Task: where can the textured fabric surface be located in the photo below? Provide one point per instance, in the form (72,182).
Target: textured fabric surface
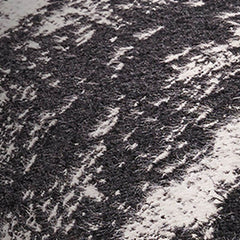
(119,120)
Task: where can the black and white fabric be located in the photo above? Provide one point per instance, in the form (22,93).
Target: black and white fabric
(120,120)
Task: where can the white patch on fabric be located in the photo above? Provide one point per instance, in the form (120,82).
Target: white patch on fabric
(191,202)
(147,33)
(12,11)
(105,126)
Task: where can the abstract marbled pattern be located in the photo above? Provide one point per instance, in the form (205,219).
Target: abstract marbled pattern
(119,119)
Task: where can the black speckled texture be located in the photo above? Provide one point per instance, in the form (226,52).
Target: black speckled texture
(107,108)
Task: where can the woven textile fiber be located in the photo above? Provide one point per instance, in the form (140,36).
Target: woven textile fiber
(119,120)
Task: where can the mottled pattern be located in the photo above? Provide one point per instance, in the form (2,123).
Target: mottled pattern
(119,119)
